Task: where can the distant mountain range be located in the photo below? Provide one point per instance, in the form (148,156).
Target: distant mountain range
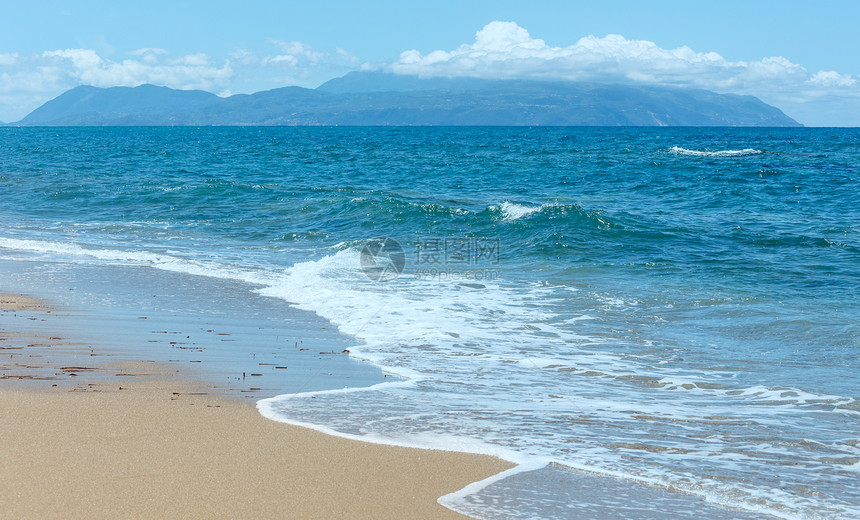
(374,98)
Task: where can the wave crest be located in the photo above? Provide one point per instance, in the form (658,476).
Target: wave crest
(677,150)
(512,211)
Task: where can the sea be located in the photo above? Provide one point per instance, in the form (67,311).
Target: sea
(650,323)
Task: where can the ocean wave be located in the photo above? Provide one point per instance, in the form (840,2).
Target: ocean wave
(611,368)
(457,346)
(164,261)
(715,153)
(512,211)
(335,288)
(278,409)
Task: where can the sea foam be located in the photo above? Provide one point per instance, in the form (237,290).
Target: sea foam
(512,211)
(715,153)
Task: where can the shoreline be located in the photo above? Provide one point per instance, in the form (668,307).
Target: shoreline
(139,439)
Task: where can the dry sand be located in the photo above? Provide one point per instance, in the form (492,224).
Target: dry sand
(162,447)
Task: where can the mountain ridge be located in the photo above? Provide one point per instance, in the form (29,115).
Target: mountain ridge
(382,99)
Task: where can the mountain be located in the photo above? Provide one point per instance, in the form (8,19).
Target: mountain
(120,106)
(373,98)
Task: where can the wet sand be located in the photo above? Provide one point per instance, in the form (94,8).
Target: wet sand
(132,439)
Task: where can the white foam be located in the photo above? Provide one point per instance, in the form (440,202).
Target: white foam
(165,261)
(714,153)
(453,500)
(535,362)
(422,440)
(512,211)
(500,357)
(407,311)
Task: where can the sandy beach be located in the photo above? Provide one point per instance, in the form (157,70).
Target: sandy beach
(149,444)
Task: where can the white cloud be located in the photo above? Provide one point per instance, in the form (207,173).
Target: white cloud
(149,55)
(8,59)
(506,50)
(27,81)
(149,50)
(346,55)
(243,57)
(294,54)
(283,59)
(499,50)
(85,66)
(296,63)
(831,78)
(193,60)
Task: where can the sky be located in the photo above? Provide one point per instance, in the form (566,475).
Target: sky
(801,56)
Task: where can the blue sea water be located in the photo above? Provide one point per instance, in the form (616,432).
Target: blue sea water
(671,312)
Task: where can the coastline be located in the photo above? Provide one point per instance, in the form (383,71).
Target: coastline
(139,439)
(638,353)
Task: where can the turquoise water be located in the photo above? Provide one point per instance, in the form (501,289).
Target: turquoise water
(677,307)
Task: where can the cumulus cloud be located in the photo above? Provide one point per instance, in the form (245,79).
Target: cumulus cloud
(26,81)
(85,66)
(346,55)
(149,51)
(295,63)
(29,80)
(499,50)
(149,55)
(831,78)
(244,58)
(8,59)
(293,54)
(506,50)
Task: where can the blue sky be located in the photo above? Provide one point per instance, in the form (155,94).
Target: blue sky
(803,57)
